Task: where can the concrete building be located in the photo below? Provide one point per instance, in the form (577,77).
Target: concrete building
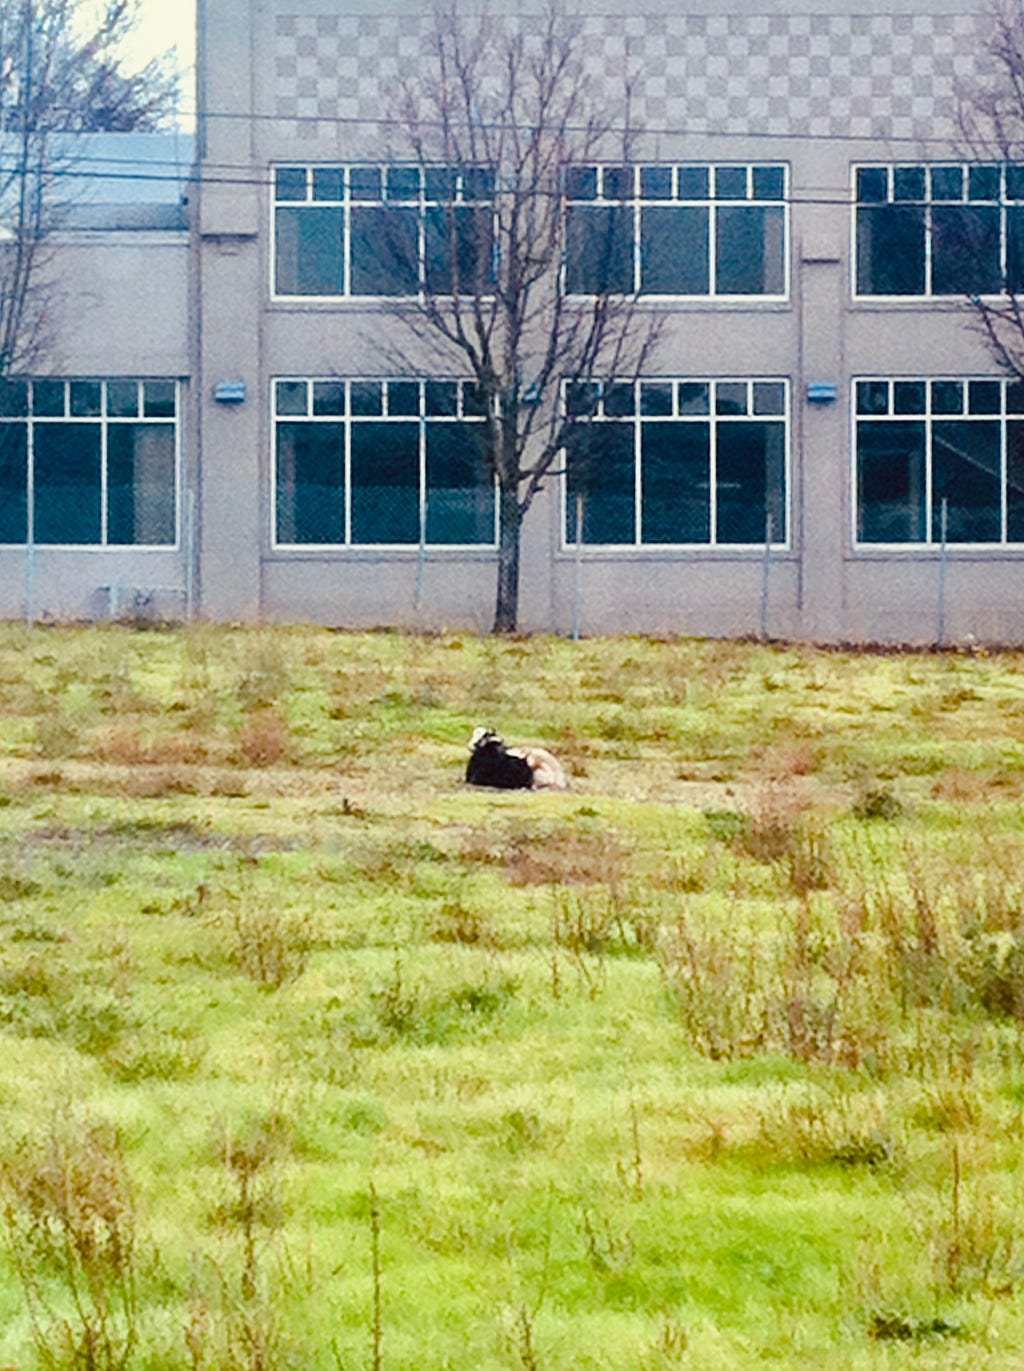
(820,448)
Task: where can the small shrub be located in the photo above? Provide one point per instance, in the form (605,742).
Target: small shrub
(263,740)
(877,802)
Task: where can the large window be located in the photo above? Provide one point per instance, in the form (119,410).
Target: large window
(677,462)
(88,462)
(940,460)
(944,229)
(691,230)
(380,462)
(381,230)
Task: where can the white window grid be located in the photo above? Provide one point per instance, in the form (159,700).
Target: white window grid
(719,175)
(309,388)
(937,176)
(748,395)
(105,417)
(345,177)
(1010,409)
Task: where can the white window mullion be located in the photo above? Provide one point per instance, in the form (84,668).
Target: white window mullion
(346,463)
(346,228)
(929,530)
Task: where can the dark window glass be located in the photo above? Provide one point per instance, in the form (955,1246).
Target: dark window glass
(1015,397)
(769,397)
(13,399)
(619,400)
(328,183)
(460,493)
(1015,481)
(694,397)
(85,399)
(601,474)
(440,183)
(403,397)
(140,483)
(890,250)
(403,183)
(965,250)
(581,183)
(365,183)
(675,483)
(308,258)
(947,397)
(474,400)
(890,481)
(599,250)
(581,398)
(1015,249)
(123,399)
(731,397)
(365,397)
(750,482)
(983,397)
(617,183)
(947,183)
(730,183)
(290,183)
(769,183)
(48,399)
(13,483)
(310,483)
(908,183)
(872,185)
(441,397)
(656,183)
(674,250)
(656,397)
(458,249)
(159,399)
(983,183)
(692,183)
(908,397)
(965,473)
(328,397)
(478,183)
(1015,183)
(384,246)
(385,467)
(749,250)
(66,505)
(872,397)
(291,397)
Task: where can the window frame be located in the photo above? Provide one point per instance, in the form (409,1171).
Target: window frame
(103,421)
(636,202)
(714,418)
(421,419)
(932,543)
(423,204)
(1003,203)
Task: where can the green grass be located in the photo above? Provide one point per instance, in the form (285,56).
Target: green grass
(314,1058)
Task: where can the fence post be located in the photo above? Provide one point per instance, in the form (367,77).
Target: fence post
(577,567)
(765,573)
(943,562)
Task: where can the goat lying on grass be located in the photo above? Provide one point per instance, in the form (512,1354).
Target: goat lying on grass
(491,763)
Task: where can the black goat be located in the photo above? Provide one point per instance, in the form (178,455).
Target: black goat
(491,763)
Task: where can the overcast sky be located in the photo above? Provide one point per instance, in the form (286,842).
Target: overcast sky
(166,24)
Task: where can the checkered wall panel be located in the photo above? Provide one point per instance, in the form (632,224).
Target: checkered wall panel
(882,76)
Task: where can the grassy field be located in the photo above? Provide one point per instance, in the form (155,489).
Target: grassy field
(313,1058)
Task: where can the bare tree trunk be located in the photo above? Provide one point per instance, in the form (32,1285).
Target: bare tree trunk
(506,607)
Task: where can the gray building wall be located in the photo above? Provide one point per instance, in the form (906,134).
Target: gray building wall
(821,89)
(115,282)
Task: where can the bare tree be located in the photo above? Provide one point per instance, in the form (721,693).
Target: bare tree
(500,119)
(57,79)
(991,118)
